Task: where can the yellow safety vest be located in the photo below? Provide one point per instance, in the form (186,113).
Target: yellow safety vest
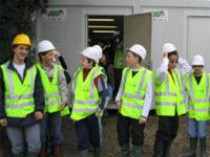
(198,94)
(53,100)
(169,95)
(134,90)
(86,96)
(19,96)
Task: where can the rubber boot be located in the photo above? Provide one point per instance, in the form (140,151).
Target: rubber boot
(84,153)
(31,154)
(137,151)
(158,148)
(167,147)
(18,155)
(125,150)
(203,147)
(192,150)
(97,152)
(57,151)
(43,152)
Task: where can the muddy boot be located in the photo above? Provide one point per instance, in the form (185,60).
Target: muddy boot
(203,147)
(57,151)
(18,155)
(84,153)
(97,152)
(192,150)
(137,151)
(158,148)
(125,150)
(31,154)
(167,147)
(43,152)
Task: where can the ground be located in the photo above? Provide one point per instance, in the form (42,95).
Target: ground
(110,144)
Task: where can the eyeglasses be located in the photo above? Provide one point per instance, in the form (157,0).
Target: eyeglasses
(198,66)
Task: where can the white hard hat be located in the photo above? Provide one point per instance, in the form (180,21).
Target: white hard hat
(45,46)
(169,47)
(100,51)
(197,60)
(91,53)
(139,50)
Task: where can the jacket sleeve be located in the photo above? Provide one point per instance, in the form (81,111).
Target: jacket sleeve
(39,93)
(2,97)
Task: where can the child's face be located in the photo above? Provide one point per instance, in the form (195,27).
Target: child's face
(173,59)
(48,57)
(131,59)
(198,69)
(84,62)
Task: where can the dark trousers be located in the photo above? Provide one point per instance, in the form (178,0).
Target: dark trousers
(167,128)
(89,131)
(125,126)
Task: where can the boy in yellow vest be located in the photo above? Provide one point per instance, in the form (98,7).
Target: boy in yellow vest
(134,100)
(21,100)
(169,98)
(56,97)
(197,87)
(89,98)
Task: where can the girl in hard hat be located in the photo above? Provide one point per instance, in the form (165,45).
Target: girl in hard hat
(169,98)
(89,99)
(133,101)
(56,97)
(21,100)
(197,87)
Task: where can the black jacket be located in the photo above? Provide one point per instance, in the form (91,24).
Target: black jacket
(38,97)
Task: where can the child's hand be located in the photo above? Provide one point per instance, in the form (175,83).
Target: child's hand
(142,120)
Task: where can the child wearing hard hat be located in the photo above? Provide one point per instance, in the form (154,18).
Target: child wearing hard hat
(133,101)
(56,97)
(169,98)
(89,99)
(197,87)
(21,100)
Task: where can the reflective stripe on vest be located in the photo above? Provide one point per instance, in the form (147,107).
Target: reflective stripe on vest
(86,96)
(53,98)
(169,96)
(19,100)
(133,98)
(199,103)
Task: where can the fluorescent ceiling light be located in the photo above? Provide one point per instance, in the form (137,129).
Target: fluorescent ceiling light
(104,31)
(107,20)
(100,26)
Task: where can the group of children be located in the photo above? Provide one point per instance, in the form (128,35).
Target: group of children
(33,99)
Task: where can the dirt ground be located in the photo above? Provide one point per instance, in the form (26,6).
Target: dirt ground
(110,144)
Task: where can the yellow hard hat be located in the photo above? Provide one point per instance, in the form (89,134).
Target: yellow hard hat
(21,39)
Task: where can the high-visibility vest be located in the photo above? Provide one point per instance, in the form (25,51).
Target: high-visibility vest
(86,96)
(169,95)
(103,71)
(134,90)
(19,99)
(198,94)
(53,100)
(118,59)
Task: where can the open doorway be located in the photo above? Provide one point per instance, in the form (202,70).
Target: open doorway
(107,31)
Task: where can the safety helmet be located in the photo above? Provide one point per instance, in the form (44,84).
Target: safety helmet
(21,39)
(100,51)
(91,53)
(44,46)
(139,50)
(169,47)
(198,60)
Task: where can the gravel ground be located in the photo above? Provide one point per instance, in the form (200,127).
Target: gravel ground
(110,144)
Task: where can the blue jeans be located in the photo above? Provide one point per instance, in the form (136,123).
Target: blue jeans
(51,127)
(197,128)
